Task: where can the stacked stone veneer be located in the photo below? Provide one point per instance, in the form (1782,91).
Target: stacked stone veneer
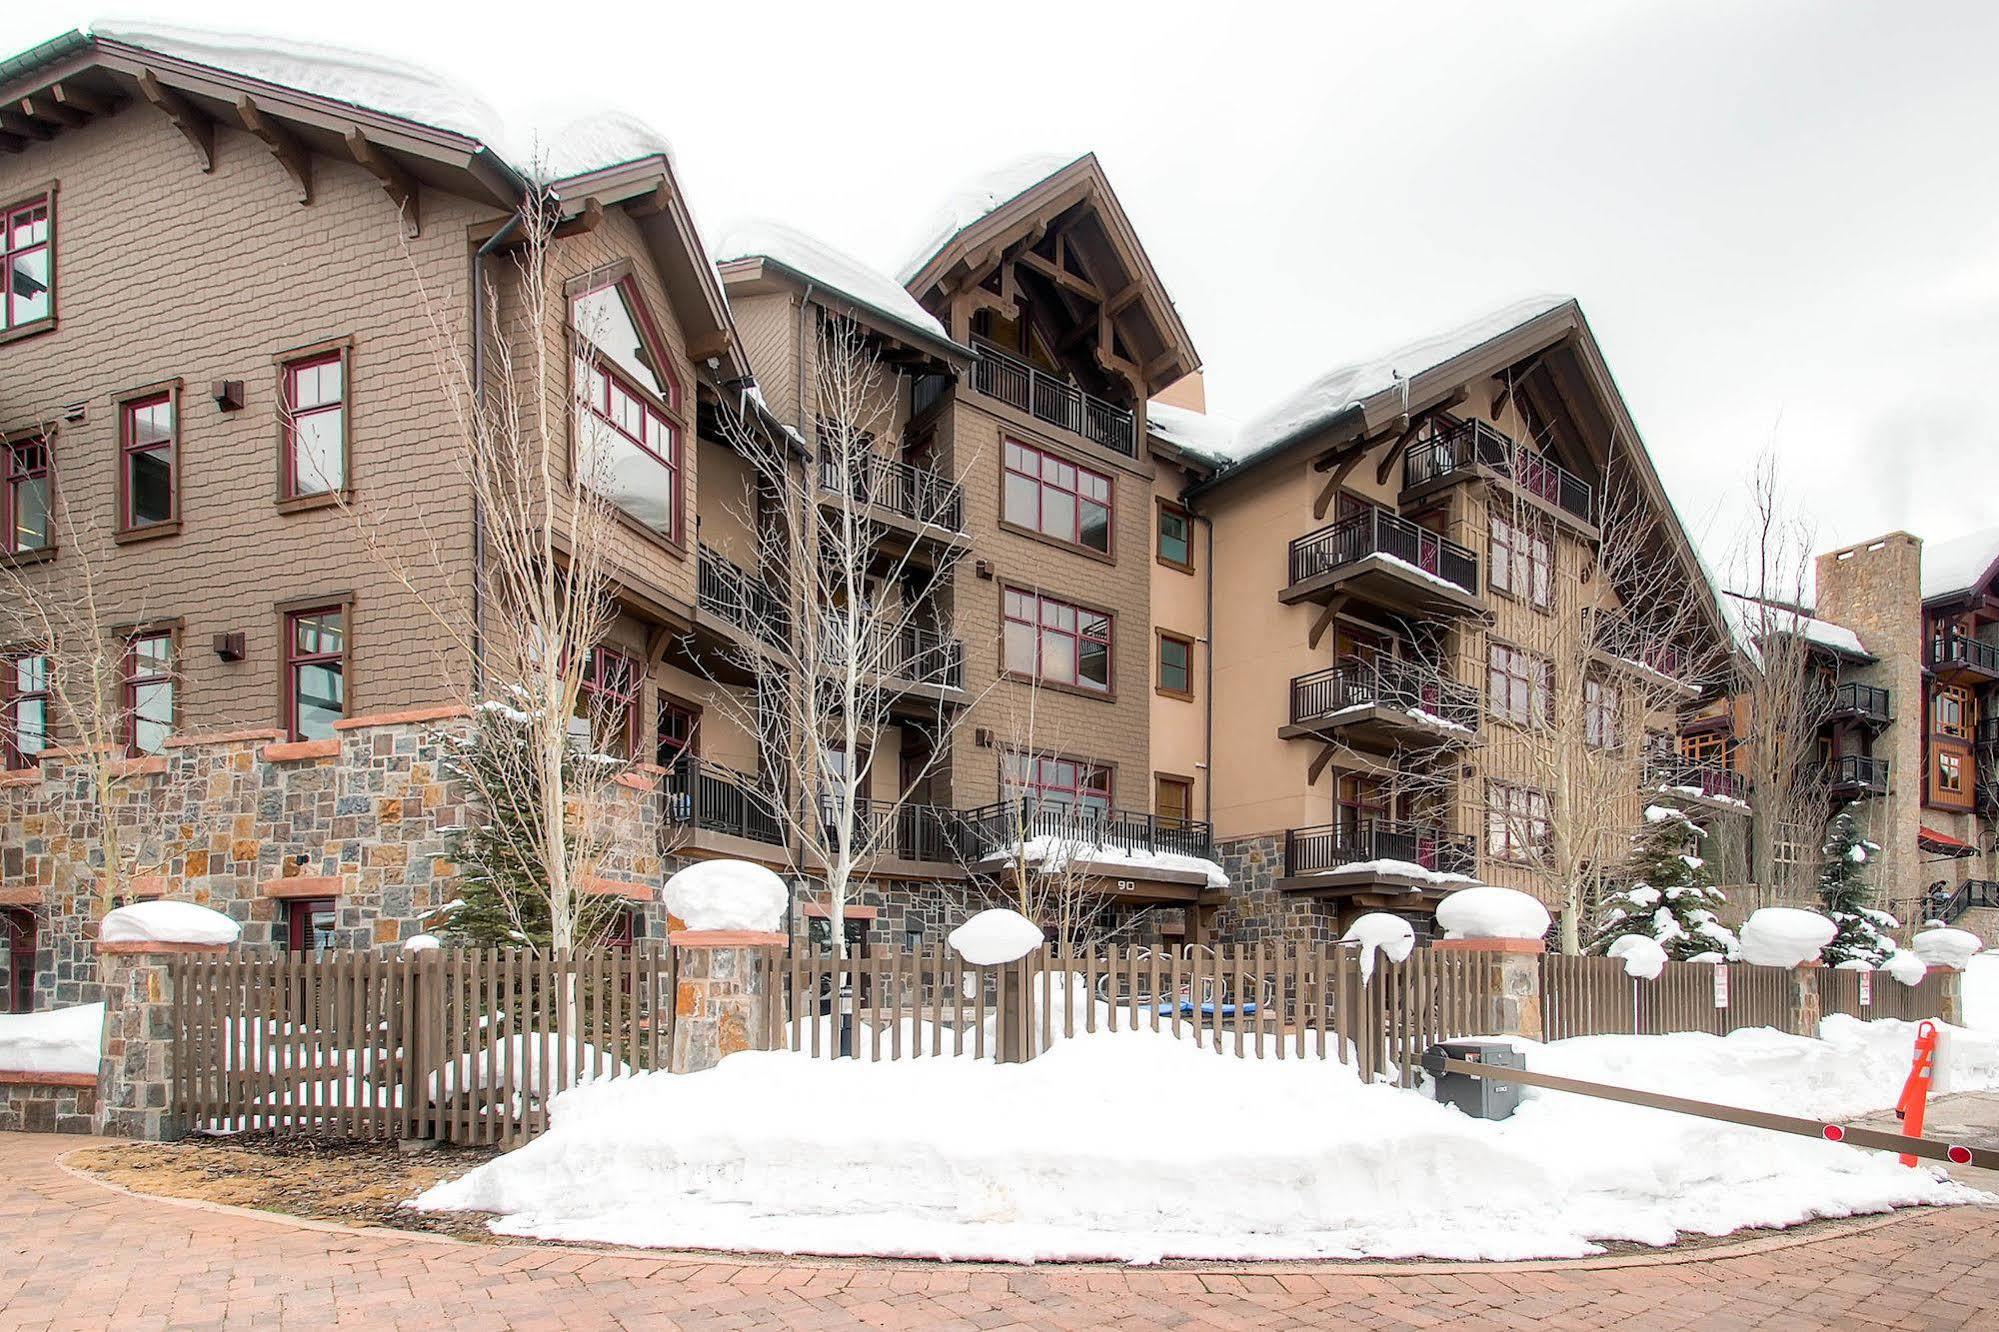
(1256,911)
(242,821)
(46,1104)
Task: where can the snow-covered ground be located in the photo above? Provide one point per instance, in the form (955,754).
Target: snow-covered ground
(1138,1147)
(59,1040)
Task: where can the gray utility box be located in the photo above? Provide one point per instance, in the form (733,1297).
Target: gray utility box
(1481,1098)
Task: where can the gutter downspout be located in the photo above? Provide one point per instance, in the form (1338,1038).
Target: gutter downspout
(479,405)
(1208,694)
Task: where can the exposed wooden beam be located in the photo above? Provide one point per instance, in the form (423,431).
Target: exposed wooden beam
(658,201)
(195,126)
(292,155)
(1319,762)
(1061,277)
(712,346)
(18,125)
(46,109)
(587,219)
(1334,605)
(1116,304)
(1396,450)
(395,182)
(1160,364)
(84,101)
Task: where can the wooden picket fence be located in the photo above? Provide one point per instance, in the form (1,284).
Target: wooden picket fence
(463,1046)
(1592,996)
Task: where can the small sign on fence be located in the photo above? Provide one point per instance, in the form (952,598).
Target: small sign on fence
(1867,989)
(1721,985)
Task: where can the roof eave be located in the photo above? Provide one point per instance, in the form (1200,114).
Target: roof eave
(753,266)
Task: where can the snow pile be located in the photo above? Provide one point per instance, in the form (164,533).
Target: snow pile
(726,895)
(1947,947)
(1959,564)
(1378,930)
(1906,967)
(1204,435)
(1981,993)
(837,272)
(168,922)
(995,938)
(1492,913)
(973,199)
(949,1158)
(531,1062)
(422,943)
(1053,854)
(1785,936)
(61,1040)
(593,142)
(1401,869)
(1751,621)
(1642,955)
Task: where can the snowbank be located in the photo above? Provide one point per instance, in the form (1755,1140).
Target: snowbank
(1785,936)
(726,895)
(954,1159)
(1947,947)
(1378,930)
(1643,957)
(1981,993)
(995,938)
(972,199)
(61,1040)
(168,922)
(1492,913)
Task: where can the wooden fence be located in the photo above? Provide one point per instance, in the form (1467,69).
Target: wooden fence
(1876,994)
(1592,996)
(463,1046)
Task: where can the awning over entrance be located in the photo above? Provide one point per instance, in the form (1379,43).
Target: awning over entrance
(1943,844)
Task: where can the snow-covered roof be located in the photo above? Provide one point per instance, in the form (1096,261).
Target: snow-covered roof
(1320,402)
(819,263)
(974,198)
(1209,438)
(1750,619)
(1959,564)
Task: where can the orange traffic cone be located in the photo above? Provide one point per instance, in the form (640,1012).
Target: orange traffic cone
(1916,1091)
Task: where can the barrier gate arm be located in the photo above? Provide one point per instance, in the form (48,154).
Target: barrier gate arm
(1852,1134)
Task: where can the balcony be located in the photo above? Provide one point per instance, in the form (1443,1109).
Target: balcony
(1704,781)
(1962,659)
(909,832)
(1988,734)
(704,797)
(992,830)
(1863,703)
(735,596)
(1618,639)
(1856,777)
(1473,448)
(1386,560)
(1376,855)
(1381,705)
(917,494)
(909,654)
(1968,896)
(1046,398)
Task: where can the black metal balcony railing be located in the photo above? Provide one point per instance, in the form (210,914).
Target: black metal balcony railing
(1413,689)
(725,588)
(908,652)
(1046,398)
(991,829)
(1859,772)
(1474,444)
(1706,778)
(1865,701)
(909,832)
(1988,732)
(1624,638)
(914,492)
(708,797)
(1968,895)
(1962,650)
(1330,846)
(1376,531)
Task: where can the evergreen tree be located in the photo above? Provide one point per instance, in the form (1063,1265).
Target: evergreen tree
(1863,931)
(1669,896)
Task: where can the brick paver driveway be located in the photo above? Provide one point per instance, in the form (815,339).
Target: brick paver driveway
(74,1254)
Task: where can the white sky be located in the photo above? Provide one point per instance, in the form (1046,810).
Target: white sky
(1781,218)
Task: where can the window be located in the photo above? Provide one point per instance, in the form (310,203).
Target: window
(1516,822)
(149,691)
(1603,707)
(24,709)
(628,444)
(1953,712)
(1707,747)
(1060,781)
(24,507)
(25,248)
(315,426)
(146,472)
(1176,537)
(678,733)
(607,704)
(315,671)
(1950,772)
(1056,498)
(309,924)
(17,941)
(1173,800)
(1056,642)
(1176,665)
(1521,564)
(1519,686)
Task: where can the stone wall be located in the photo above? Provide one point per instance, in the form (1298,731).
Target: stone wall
(1256,911)
(30,1104)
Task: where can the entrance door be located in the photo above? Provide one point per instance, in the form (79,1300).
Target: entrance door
(17,936)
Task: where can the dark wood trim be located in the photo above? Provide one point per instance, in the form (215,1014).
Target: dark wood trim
(121,531)
(285,610)
(283,361)
(1105,695)
(46,190)
(1160,505)
(1109,556)
(1067,756)
(1160,638)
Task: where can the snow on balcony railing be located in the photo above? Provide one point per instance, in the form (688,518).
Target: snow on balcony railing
(1474,444)
(1420,692)
(1376,531)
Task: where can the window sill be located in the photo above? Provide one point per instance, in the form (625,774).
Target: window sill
(1186,696)
(24,331)
(1080,691)
(126,536)
(18,558)
(307,503)
(1174,565)
(1058,543)
(675,548)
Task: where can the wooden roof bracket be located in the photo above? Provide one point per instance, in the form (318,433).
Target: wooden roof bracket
(1334,605)
(1319,762)
(1339,476)
(291,154)
(587,219)
(395,182)
(195,126)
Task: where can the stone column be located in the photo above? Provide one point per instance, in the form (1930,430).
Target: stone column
(1516,987)
(1802,1005)
(723,984)
(1951,1009)
(135,1072)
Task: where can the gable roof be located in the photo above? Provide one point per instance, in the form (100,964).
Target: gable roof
(971,199)
(811,262)
(1960,564)
(1751,619)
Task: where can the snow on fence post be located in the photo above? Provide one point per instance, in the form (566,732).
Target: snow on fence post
(136,946)
(724,917)
(1504,927)
(1002,941)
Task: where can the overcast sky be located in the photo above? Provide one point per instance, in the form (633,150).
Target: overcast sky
(1782,219)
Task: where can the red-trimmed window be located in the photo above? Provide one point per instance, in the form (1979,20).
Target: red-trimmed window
(24,505)
(315,671)
(146,479)
(1519,685)
(26,255)
(608,703)
(149,692)
(1517,825)
(1055,497)
(310,923)
(1061,781)
(628,443)
(315,420)
(24,709)
(1057,642)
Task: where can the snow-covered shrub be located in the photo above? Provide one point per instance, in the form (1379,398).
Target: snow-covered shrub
(1862,932)
(1643,957)
(1906,967)
(1670,898)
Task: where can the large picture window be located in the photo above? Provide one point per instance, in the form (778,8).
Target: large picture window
(146,480)
(1062,781)
(24,505)
(1057,642)
(315,671)
(149,691)
(26,250)
(1522,563)
(315,426)
(24,709)
(1517,827)
(628,440)
(1055,497)
(1519,685)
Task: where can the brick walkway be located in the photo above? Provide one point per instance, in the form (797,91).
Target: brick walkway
(74,1254)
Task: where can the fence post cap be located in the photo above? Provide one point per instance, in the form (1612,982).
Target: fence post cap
(1523,946)
(142,946)
(727,939)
